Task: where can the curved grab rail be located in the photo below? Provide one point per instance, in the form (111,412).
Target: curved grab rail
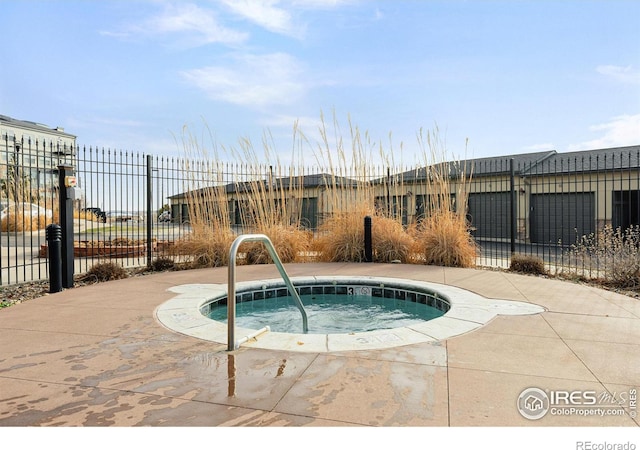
(232,344)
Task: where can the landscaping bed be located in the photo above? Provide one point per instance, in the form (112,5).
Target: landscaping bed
(116,248)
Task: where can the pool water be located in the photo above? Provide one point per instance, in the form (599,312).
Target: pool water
(327,313)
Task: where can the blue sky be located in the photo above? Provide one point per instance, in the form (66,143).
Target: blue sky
(509,76)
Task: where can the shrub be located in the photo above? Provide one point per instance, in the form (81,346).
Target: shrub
(353,188)
(206,247)
(162,264)
(341,238)
(291,245)
(211,237)
(390,241)
(22,222)
(106,271)
(527,264)
(614,255)
(443,239)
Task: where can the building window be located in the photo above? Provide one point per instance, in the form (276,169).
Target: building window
(626,209)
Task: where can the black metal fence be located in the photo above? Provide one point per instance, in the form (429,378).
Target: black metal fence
(131,207)
(578,212)
(28,191)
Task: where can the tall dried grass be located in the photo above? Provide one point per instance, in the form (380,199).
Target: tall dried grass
(272,199)
(354,191)
(19,192)
(291,243)
(81,215)
(18,221)
(205,248)
(270,196)
(270,205)
(390,241)
(443,237)
(340,238)
(211,237)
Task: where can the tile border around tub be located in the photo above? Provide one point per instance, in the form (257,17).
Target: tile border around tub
(469,311)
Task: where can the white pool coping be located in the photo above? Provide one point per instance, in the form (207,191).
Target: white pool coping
(469,311)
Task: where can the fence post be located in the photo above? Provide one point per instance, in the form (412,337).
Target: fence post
(513,206)
(388,192)
(149,206)
(66,184)
(368,242)
(54,237)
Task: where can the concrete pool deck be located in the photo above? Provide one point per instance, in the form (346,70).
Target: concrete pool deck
(98,356)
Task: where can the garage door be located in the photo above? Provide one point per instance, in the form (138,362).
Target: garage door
(309,215)
(490,214)
(562,218)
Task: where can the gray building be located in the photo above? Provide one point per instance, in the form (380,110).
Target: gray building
(543,197)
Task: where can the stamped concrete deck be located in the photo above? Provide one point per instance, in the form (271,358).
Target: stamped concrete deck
(98,356)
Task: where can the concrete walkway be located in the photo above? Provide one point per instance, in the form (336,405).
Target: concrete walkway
(97,356)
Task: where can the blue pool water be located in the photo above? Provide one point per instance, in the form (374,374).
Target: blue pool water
(332,313)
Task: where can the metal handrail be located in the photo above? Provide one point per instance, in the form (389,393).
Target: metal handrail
(232,344)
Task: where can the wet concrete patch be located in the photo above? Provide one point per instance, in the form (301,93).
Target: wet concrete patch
(370,392)
(251,378)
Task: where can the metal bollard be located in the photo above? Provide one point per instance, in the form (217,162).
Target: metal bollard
(368,242)
(54,246)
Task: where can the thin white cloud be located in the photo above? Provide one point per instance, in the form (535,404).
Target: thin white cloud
(264,13)
(321,4)
(252,80)
(196,26)
(279,16)
(618,73)
(620,131)
(115,34)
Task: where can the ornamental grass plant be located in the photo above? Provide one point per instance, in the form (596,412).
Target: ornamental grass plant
(268,204)
(390,241)
(266,197)
(17,221)
(341,238)
(271,199)
(443,237)
(208,243)
(354,190)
